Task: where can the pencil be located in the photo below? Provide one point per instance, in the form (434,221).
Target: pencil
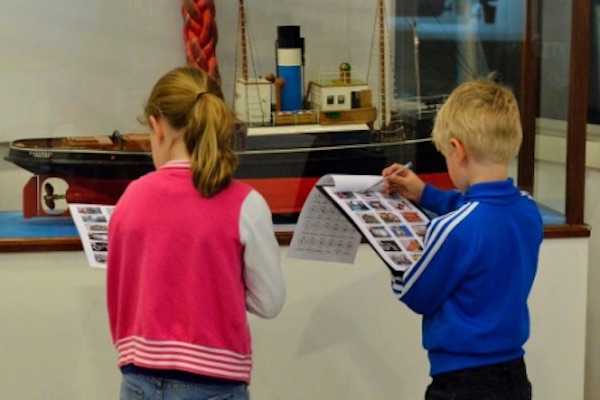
(396,172)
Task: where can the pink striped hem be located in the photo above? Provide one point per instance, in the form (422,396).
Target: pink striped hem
(184,356)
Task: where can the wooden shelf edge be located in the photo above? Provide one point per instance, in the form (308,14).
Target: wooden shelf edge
(17,245)
(23,245)
(567,231)
(284,238)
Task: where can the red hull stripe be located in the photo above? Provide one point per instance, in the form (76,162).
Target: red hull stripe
(287,195)
(284,195)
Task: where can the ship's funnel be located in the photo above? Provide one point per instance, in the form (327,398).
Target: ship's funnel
(290,60)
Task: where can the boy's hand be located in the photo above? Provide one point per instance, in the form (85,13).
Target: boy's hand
(407,183)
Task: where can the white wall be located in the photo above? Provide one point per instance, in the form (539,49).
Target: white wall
(341,335)
(592,217)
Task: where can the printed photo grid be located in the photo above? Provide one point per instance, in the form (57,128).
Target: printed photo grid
(394,226)
(323,233)
(92,224)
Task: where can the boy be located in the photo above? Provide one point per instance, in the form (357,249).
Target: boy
(472,283)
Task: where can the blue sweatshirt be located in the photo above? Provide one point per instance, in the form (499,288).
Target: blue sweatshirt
(472,283)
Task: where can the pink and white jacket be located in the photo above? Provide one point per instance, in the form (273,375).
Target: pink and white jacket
(183,270)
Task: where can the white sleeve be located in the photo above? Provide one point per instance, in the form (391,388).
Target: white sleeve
(265,284)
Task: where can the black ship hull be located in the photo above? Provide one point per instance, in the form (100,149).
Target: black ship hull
(283,167)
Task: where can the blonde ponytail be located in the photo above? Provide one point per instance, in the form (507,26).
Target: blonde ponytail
(208,140)
(190,100)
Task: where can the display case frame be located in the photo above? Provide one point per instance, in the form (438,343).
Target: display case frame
(577,111)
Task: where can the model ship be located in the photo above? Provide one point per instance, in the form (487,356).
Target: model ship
(287,146)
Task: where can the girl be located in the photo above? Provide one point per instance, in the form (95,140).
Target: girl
(191,250)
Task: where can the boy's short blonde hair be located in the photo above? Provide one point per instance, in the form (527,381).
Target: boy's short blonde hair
(484,116)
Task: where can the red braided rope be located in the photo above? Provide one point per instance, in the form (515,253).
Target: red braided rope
(200,35)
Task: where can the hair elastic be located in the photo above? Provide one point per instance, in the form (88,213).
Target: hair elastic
(199,95)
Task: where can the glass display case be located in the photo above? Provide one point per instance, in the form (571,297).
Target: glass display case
(435,45)
(535,49)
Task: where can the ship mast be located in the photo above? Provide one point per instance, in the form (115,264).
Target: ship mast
(252,97)
(242,16)
(417,69)
(382,64)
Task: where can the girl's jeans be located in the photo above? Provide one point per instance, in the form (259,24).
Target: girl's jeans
(138,387)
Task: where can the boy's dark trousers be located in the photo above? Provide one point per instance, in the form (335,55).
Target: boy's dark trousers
(504,381)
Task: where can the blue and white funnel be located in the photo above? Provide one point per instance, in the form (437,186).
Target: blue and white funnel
(290,60)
